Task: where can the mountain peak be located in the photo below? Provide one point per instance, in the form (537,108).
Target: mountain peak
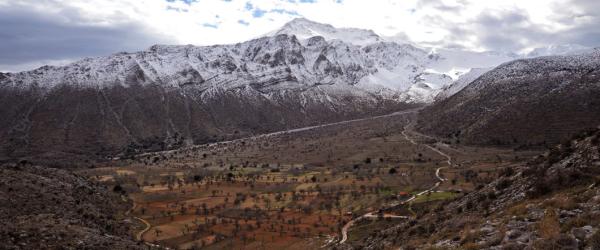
(304,28)
(305,21)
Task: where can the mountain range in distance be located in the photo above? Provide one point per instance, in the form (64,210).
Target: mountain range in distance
(169,96)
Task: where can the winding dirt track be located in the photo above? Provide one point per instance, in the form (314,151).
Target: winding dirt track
(436,185)
(139,236)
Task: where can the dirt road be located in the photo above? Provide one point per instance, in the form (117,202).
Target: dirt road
(436,185)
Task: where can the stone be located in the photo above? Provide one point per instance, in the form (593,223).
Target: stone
(513,234)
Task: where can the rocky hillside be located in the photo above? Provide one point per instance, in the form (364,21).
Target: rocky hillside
(551,203)
(45,208)
(170,96)
(526,102)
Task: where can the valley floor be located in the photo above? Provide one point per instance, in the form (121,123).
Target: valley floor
(300,188)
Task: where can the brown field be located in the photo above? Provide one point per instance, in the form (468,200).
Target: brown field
(294,190)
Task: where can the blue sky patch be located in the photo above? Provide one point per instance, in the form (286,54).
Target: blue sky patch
(258,13)
(242,22)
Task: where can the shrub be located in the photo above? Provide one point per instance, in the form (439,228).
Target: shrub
(549,226)
(392,171)
(503,184)
(506,172)
(118,189)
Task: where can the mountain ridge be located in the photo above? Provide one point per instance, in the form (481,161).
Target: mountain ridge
(538,101)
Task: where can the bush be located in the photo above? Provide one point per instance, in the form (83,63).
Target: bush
(118,189)
(506,172)
(392,171)
(503,184)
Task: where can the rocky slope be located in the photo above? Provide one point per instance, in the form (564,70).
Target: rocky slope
(526,102)
(45,208)
(169,96)
(553,202)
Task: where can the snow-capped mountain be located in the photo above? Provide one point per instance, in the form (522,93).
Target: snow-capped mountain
(303,29)
(168,96)
(414,72)
(299,56)
(467,66)
(347,60)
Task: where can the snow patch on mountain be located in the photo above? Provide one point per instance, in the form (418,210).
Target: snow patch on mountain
(455,62)
(461,83)
(303,29)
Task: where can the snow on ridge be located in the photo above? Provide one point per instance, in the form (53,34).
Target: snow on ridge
(489,60)
(271,64)
(558,49)
(461,83)
(300,56)
(304,29)
(556,64)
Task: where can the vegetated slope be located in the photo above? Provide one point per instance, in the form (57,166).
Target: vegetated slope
(553,202)
(45,208)
(524,102)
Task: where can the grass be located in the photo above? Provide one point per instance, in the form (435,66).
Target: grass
(363,230)
(434,196)
(411,210)
(387,192)
(519,211)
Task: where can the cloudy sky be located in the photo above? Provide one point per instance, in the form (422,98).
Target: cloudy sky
(38,32)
